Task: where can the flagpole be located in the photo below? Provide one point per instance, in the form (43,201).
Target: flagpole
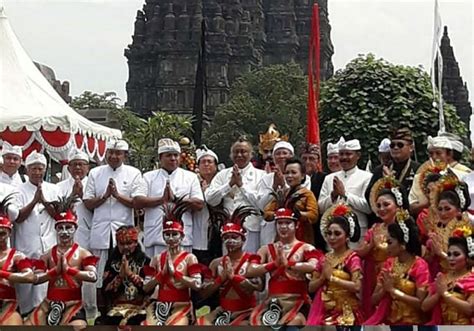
(437,68)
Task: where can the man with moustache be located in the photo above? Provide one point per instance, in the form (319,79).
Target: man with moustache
(108,194)
(237,186)
(161,186)
(349,184)
(34,227)
(78,167)
(11,156)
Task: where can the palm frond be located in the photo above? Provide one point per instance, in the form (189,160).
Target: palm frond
(64,203)
(6,202)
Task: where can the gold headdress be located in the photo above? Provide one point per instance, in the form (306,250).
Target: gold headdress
(386,182)
(269,139)
(428,168)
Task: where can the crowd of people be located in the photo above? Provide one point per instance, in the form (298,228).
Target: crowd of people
(271,240)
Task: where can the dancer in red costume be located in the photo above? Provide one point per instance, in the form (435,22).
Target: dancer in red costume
(175,272)
(236,297)
(14,268)
(288,261)
(66,265)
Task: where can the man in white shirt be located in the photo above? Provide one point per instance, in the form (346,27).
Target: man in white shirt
(161,186)
(34,227)
(203,235)
(11,156)
(333,156)
(348,184)
(282,152)
(237,186)
(108,194)
(78,167)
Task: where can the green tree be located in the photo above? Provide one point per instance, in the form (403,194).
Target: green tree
(143,134)
(274,94)
(370,97)
(91,100)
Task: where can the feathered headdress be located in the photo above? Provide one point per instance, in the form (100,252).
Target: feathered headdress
(235,222)
(173,213)
(286,204)
(64,209)
(4,204)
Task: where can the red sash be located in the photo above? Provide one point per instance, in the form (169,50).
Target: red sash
(245,301)
(68,278)
(8,292)
(172,294)
(286,286)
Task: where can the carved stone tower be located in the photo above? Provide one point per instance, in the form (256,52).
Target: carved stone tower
(241,35)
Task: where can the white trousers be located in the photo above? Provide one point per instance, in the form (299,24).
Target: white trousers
(267,233)
(30,296)
(252,243)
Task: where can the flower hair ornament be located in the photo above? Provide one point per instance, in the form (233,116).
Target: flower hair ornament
(339,210)
(385,183)
(401,216)
(428,168)
(450,182)
(466,232)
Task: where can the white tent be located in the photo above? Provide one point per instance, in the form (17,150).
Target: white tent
(33,115)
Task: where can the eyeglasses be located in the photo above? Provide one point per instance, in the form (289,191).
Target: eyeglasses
(397,144)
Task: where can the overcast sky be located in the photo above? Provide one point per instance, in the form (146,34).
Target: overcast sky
(83,41)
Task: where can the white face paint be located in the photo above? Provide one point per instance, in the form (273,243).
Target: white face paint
(233,242)
(286,227)
(65,231)
(172,238)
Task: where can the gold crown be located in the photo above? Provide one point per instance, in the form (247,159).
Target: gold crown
(270,138)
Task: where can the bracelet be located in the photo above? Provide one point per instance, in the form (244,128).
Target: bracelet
(52,273)
(4,274)
(72,271)
(398,293)
(218,280)
(270,266)
(333,279)
(446,294)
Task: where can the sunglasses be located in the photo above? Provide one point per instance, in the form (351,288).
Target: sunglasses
(397,144)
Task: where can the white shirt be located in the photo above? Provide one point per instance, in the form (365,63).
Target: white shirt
(265,188)
(13,209)
(234,197)
(182,183)
(14,180)
(355,183)
(36,234)
(84,215)
(112,214)
(200,229)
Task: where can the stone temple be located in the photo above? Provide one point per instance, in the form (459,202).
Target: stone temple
(240,35)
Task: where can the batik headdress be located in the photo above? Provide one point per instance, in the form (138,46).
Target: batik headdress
(64,209)
(173,213)
(4,204)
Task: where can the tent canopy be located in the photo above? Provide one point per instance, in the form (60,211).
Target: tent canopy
(33,114)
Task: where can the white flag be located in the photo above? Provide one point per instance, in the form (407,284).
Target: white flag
(437,65)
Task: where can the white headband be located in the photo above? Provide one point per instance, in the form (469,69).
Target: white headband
(283,144)
(35,157)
